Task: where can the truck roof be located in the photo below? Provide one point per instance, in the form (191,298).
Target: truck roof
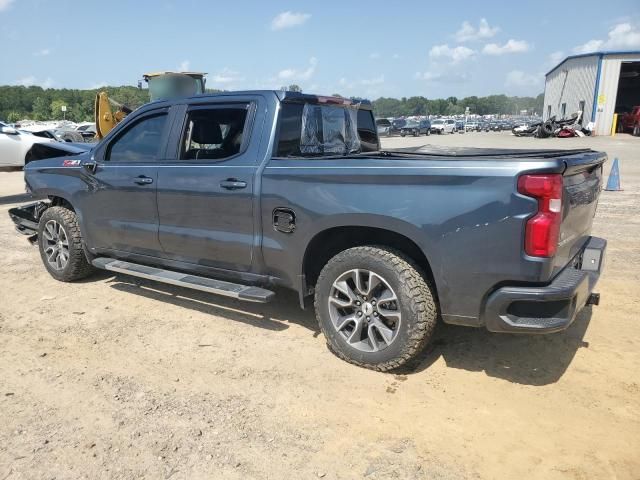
(283,96)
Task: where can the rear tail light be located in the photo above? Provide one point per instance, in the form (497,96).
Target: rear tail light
(542,231)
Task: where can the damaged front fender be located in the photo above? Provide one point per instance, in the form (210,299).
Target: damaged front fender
(42,151)
(27,217)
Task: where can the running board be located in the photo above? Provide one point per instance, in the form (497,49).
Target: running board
(210,285)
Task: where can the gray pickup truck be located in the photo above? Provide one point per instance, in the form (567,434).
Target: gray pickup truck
(239,193)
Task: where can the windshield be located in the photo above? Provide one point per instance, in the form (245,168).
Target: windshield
(437,122)
(411,123)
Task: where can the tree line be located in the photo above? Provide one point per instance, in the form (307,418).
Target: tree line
(36,103)
(492,104)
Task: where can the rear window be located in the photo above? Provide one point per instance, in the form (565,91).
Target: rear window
(308,130)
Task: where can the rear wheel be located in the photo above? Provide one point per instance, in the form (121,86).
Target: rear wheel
(61,246)
(374,307)
(636,131)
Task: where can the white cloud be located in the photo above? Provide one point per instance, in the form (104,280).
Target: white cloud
(518,78)
(289,19)
(31,80)
(556,57)
(396,56)
(456,54)
(374,55)
(442,77)
(4,4)
(468,32)
(98,85)
(590,46)
(26,81)
(373,81)
(294,74)
(225,77)
(512,46)
(42,53)
(184,66)
(621,36)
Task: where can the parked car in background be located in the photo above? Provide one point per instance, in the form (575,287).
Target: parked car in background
(441,125)
(471,126)
(88,131)
(396,125)
(384,127)
(62,133)
(630,122)
(460,128)
(416,128)
(15,145)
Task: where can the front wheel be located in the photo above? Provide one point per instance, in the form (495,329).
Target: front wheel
(61,246)
(374,307)
(636,131)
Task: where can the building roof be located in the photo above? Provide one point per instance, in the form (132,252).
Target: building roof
(591,54)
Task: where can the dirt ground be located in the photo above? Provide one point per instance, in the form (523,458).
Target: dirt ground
(115,377)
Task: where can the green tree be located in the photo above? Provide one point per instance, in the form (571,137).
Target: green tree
(13,117)
(41,109)
(56,109)
(291,88)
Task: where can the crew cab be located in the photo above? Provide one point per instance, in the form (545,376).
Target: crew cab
(238,193)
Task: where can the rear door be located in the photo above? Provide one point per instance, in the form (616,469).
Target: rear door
(119,208)
(206,186)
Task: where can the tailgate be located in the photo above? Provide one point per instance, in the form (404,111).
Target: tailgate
(582,181)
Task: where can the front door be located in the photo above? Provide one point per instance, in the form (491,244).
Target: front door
(120,207)
(205,193)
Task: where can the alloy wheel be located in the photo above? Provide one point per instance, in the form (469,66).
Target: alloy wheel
(364,310)
(55,244)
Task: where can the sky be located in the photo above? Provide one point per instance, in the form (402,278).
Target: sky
(355,48)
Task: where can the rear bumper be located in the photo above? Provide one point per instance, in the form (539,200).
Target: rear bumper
(550,308)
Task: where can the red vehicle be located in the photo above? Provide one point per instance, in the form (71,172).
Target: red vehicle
(630,122)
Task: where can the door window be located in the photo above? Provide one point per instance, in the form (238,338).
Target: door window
(215,133)
(139,143)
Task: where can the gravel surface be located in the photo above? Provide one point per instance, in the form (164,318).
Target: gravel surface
(115,377)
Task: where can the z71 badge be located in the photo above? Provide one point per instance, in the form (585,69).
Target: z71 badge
(70,163)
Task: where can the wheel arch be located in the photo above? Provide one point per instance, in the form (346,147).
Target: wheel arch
(329,242)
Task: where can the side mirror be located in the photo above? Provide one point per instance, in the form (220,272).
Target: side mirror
(8,130)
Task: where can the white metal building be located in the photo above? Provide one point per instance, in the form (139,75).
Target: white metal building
(599,83)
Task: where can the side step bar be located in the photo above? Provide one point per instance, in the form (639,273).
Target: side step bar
(210,285)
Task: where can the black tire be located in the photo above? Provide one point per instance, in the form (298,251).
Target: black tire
(636,131)
(415,303)
(402,134)
(428,133)
(77,266)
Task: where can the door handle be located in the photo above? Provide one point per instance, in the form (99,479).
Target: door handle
(233,184)
(142,180)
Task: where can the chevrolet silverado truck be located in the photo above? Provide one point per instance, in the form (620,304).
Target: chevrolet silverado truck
(241,194)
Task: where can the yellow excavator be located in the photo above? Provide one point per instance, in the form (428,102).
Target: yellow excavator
(162,85)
